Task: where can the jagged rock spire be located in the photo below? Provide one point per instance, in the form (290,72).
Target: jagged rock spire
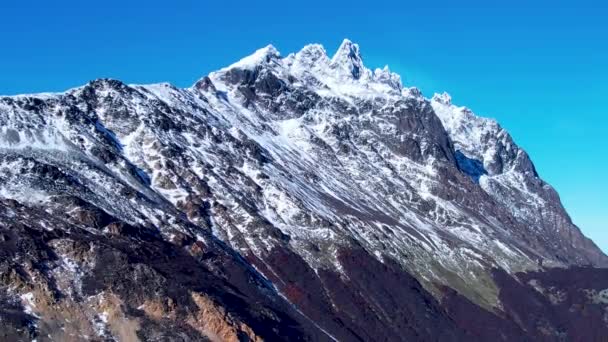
(348,57)
(312,64)
(443,98)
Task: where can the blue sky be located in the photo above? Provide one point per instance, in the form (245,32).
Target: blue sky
(541,69)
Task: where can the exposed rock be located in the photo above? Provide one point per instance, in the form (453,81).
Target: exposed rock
(295,198)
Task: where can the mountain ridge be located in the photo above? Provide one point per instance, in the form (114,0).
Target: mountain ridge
(298,170)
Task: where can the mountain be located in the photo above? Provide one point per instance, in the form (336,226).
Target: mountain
(282,198)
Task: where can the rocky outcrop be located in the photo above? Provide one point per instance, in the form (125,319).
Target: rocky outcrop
(61,282)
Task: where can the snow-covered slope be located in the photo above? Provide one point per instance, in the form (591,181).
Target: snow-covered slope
(290,158)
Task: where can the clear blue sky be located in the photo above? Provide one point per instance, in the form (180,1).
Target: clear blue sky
(541,70)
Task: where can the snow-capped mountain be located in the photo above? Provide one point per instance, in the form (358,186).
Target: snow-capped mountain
(298,197)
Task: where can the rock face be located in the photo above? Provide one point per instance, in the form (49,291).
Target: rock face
(282,198)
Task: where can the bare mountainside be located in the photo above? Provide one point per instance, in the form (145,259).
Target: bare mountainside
(303,197)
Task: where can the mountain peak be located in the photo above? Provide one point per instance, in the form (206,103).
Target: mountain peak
(443,98)
(348,56)
(313,52)
(260,56)
(386,76)
(349,49)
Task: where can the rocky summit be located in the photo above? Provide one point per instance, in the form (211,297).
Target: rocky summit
(301,197)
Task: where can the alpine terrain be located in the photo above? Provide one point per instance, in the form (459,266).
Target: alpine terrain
(300,197)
